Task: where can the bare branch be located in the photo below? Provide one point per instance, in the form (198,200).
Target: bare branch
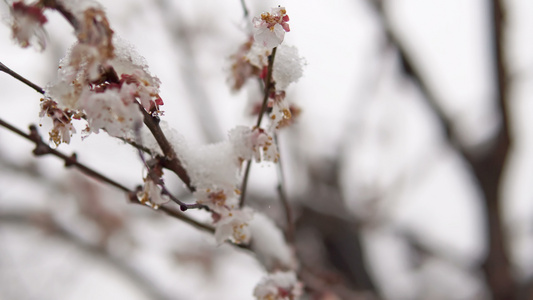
(171,161)
(245,9)
(42,148)
(183,206)
(181,216)
(155,173)
(5,69)
(137,146)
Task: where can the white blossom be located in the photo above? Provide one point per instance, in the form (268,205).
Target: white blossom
(220,201)
(62,132)
(270,28)
(256,143)
(281,111)
(151,194)
(112,110)
(279,286)
(234,226)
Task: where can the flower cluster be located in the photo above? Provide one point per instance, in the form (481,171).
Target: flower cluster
(251,61)
(104,82)
(103,79)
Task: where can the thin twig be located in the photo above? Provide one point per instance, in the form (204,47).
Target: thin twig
(268,87)
(5,69)
(183,206)
(244,9)
(244,185)
(42,148)
(289,232)
(136,145)
(210,229)
(69,16)
(155,176)
(181,216)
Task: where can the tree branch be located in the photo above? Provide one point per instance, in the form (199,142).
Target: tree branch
(489,170)
(42,148)
(488,167)
(171,160)
(53,4)
(181,216)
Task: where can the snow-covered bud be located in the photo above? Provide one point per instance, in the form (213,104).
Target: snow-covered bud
(288,67)
(270,28)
